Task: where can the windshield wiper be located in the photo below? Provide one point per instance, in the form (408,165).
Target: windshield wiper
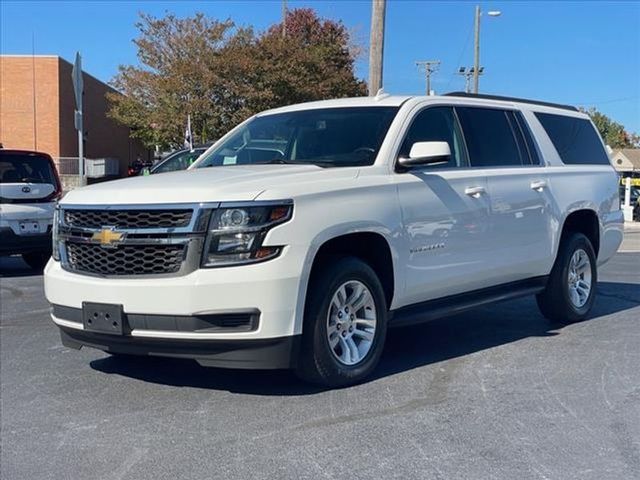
(284,161)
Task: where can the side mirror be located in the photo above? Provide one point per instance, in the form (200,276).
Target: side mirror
(427,153)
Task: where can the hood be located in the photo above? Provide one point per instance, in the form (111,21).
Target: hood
(213,184)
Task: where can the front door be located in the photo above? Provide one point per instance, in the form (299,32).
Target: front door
(445,214)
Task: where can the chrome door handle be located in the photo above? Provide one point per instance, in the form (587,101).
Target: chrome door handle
(538,185)
(474,191)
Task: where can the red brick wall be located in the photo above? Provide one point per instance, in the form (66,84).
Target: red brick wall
(17,128)
(55,103)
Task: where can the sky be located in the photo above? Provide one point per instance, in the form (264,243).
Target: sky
(582,53)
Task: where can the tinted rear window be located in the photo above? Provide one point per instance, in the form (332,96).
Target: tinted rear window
(575,139)
(25,168)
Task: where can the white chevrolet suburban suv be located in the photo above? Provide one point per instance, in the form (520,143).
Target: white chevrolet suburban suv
(298,238)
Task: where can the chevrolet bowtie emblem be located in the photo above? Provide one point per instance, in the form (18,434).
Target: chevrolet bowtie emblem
(108,237)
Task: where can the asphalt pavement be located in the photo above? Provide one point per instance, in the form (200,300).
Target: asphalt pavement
(496,393)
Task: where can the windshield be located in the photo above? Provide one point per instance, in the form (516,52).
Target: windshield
(332,137)
(178,161)
(25,168)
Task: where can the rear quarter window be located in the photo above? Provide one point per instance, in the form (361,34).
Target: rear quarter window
(575,139)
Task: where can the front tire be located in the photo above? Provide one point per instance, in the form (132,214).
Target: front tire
(570,291)
(345,324)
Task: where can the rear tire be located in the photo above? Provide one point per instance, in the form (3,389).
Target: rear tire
(345,324)
(36,261)
(570,291)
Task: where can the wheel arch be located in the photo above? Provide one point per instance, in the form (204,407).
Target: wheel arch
(585,221)
(371,245)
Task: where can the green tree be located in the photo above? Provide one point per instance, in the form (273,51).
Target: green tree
(221,74)
(613,133)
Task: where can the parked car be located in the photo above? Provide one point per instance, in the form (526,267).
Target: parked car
(29,189)
(137,166)
(309,230)
(634,194)
(179,160)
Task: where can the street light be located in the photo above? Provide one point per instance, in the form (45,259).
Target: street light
(476,59)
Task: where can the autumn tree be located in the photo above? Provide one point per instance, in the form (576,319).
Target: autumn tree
(221,74)
(613,133)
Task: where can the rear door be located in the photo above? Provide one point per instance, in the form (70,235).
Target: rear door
(520,232)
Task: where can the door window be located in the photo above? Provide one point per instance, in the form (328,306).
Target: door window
(489,137)
(436,124)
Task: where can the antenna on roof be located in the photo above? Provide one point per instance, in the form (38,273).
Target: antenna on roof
(381,94)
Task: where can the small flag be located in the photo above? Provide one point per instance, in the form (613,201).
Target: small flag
(188,138)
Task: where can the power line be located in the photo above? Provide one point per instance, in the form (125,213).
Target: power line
(602,102)
(429,67)
(462,52)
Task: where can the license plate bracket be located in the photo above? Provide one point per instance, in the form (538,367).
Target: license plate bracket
(103,318)
(29,227)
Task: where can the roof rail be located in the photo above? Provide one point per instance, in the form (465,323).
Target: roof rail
(510,99)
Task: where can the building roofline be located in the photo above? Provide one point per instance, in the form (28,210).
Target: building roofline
(60,59)
(27,55)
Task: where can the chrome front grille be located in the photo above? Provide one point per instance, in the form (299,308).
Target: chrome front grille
(130,240)
(125,259)
(128,219)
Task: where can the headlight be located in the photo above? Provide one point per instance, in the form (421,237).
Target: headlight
(55,247)
(236,234)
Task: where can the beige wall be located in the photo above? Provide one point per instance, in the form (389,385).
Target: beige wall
(54,106)
(621,163)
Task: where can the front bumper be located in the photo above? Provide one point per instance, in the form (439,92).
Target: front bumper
(273,353)
(272,288)
(167,316)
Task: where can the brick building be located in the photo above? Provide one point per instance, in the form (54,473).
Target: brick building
(36,112)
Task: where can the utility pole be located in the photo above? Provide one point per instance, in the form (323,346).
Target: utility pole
(476,52)
(429,67)
(284,18)
(376,46)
